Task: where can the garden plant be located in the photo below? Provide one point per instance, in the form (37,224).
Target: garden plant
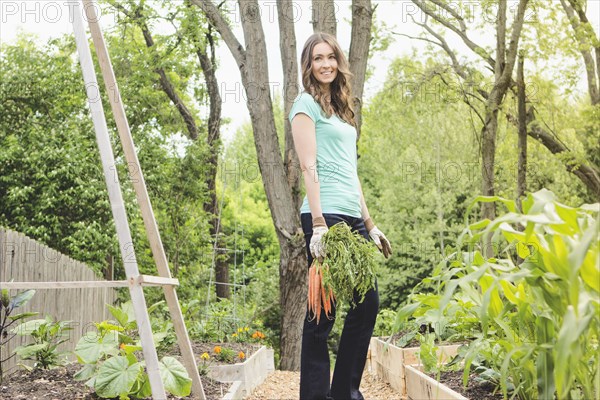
(532,312)
(8,305)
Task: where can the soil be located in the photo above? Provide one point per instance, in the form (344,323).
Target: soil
(396,337)
(58,383)
(475,390)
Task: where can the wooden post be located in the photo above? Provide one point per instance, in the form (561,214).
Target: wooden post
(118,208)
(109,270)
(139,185)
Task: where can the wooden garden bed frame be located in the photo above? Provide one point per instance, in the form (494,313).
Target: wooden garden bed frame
(246,376)
(420,386)
(389,362)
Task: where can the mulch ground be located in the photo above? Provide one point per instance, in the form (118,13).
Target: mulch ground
(285,385)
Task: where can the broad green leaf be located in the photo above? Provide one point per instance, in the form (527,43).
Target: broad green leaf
(116,377)
(91,347)
(590,271)
(4,298)
(120,315)
(22,316)
(545,361)
(578,254)
(30,350)
(21,299)
(144,389)
(565,340)
(85,373)
(175,377)
(130,348)
(107,326)
(26,328)
(508,289)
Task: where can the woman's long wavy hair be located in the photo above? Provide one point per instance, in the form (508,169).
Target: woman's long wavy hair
(339,101)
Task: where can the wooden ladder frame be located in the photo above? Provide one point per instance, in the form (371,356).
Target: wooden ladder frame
(135,282)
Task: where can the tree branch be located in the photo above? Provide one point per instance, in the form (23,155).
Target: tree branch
(588,59)
(463,35)
(137,16)
(214,16)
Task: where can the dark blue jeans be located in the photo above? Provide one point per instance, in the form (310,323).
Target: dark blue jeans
(354,341)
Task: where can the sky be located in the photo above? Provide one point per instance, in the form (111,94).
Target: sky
(48,18)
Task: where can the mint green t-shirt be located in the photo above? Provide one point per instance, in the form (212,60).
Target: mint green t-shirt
(336,159)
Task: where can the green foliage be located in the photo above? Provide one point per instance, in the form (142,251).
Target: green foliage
(47,335)
(535,325)
(349,264)
(8,304)
(226,355)
(384,326)
(51,186)
(110,360)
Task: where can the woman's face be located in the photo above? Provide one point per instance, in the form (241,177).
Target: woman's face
(324,64)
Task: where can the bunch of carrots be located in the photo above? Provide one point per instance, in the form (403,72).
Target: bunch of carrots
(317,292)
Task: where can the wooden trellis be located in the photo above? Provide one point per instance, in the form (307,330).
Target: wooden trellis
(135,282)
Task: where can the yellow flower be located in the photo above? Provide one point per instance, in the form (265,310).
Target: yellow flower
(240,330)
(246,329)
(241,355)
(205,356)
(234,335)
(122,346)
(217,349)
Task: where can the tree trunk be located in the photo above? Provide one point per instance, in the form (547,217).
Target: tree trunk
(503,76)
(522,146)
(586,45)
(253,65)
(324,16)
(362,20)
(287,46)
(213,140)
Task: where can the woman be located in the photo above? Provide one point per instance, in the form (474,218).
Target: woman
(325,137)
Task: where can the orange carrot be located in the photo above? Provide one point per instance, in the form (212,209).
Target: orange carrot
(323,296)
(311,272)
(318,294)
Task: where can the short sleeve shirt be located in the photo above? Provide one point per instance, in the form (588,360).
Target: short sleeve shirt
(336,159)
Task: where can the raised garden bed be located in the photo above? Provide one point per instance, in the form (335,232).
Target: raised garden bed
(58,383)
(224,381)
(420,386)
(388,361)
(249,374)
(474,390)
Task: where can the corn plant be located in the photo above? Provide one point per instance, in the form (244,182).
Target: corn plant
(538,321)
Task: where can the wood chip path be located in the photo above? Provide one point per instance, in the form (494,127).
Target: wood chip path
(285,385)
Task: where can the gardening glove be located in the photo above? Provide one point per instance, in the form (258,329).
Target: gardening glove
(382,243)
(317,248)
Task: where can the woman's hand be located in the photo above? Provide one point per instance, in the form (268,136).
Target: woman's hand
(382,242)
(317,247)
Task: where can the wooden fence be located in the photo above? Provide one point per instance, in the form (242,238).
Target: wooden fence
(24,260)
